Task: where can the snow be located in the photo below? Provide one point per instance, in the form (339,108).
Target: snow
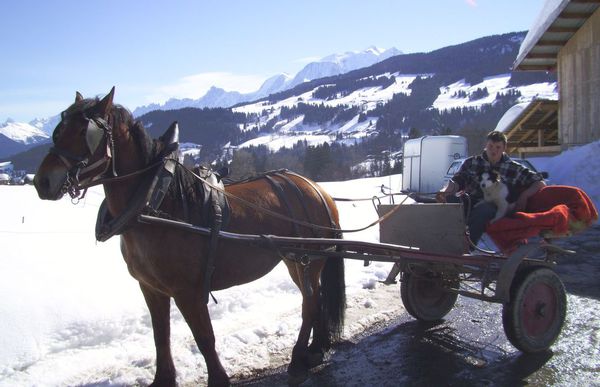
(289,133)
(496,84)
(510,116)
(70,314)
(330,65)
(22,132)
(579,167)
(547,15)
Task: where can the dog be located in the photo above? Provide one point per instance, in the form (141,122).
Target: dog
(497,192)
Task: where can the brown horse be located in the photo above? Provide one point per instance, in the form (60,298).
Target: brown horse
(97,140)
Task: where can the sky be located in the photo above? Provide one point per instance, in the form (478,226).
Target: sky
(153,51)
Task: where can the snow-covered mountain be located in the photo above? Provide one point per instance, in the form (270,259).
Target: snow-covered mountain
(288,131)
(23,133)
(328,66)
(46,125)
(341,63)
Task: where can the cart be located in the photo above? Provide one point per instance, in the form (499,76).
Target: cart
(524,282)
(429,244)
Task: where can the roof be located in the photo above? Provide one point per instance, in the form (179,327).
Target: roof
(557,22)
(531,126)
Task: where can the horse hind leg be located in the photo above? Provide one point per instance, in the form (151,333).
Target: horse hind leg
(305,357)
(196,315)
(329,321)
(159,306)
(298,367)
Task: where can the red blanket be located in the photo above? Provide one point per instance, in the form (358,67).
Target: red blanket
(555,210)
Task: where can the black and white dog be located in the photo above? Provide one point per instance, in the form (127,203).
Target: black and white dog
(496,191)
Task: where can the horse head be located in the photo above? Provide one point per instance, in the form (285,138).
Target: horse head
(82,148)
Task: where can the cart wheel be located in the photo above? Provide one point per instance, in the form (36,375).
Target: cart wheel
(535,313)
(425,298)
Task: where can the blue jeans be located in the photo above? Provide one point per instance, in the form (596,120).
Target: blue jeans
(479,216)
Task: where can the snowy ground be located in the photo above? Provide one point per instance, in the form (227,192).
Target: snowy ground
(70,314)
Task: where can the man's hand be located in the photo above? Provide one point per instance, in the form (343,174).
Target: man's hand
(449,189)
(440,197)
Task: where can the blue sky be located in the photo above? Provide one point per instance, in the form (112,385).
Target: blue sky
(155,50)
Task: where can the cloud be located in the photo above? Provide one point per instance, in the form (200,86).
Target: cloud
(472,3)
(195,86)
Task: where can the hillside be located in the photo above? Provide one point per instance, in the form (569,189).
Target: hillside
(462,89)
(366,114)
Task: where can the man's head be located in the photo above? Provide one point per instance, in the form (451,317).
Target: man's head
(495,146)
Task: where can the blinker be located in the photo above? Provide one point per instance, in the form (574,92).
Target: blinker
(93,135)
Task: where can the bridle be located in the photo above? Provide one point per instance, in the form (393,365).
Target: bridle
(77,166)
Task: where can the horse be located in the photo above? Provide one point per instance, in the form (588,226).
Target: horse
(98,142)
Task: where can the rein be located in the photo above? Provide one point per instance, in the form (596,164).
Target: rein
(287,218)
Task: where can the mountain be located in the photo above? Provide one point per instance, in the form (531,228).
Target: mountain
(17,137)
(352,119)
(23,133)
(46,125)
(330,65)
(462,89)
(341,63)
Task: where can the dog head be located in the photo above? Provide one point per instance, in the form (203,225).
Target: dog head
(488,180)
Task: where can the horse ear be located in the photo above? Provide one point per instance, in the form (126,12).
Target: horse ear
(106,103)
(78,97)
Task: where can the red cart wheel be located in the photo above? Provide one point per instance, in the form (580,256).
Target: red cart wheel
(535,313)
(425,298)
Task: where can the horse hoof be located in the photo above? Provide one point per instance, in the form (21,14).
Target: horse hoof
(314,359)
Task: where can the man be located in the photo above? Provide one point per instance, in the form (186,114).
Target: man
(521,181)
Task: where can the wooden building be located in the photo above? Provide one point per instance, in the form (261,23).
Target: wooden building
(566,39)
(531,128)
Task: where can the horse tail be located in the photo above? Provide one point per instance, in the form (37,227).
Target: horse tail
(333,299)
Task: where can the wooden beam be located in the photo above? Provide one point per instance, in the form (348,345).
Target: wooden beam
(562,29)
(536,127)
(551,43)
(541,55)
(574,15)
(532,67)
(542,149)
(586,1)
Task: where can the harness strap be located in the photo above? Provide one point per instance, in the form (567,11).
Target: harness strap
(278,188)
(274,214)
(300,196)
(212,252)
(318,191)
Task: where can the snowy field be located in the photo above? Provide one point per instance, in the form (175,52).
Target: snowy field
(70,314)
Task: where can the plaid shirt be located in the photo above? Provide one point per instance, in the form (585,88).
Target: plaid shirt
(514,175)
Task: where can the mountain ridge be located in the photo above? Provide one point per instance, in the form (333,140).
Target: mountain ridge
(333,64)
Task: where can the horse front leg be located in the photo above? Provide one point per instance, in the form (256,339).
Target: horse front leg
(159,306)
(196,315)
